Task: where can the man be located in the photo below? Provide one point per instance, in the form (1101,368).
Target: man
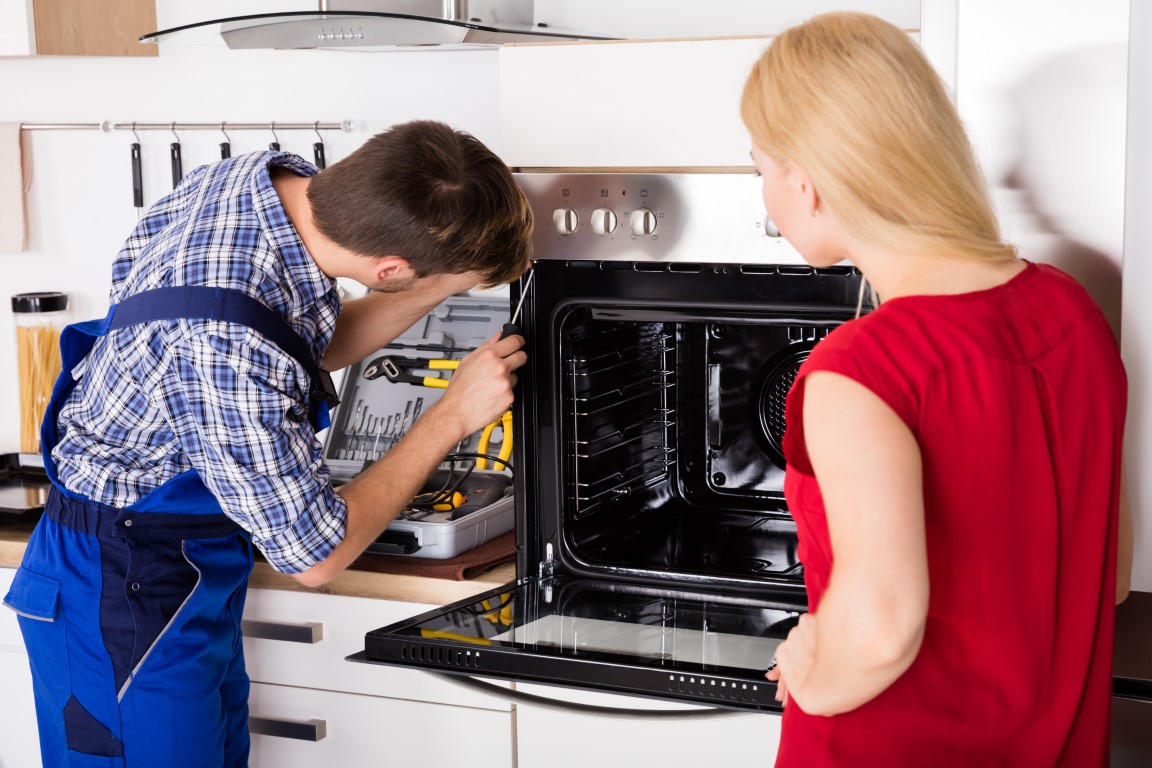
(183,430)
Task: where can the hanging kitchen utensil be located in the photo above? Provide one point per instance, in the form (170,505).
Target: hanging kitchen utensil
(137,174)
(177,162)
(226,145)
(275,145)
(318,147)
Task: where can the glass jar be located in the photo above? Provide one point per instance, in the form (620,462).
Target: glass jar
(39,319)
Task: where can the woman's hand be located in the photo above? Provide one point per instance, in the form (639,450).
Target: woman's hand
(794,659)
(776,676)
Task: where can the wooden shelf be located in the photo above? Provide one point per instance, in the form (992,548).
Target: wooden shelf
(85,28)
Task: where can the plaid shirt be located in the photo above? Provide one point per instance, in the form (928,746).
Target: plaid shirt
(165,397)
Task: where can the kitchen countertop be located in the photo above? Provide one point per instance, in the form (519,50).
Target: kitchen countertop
(351,583)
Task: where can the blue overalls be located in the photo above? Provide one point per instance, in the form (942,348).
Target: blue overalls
(131,616)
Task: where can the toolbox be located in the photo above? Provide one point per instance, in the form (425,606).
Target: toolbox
(468,500)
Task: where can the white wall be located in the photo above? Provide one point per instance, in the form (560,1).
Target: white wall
(1137,328)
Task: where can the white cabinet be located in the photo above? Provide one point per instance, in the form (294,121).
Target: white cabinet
(312,707)
(325,728)
(545,737)
(19,743)
(672,103)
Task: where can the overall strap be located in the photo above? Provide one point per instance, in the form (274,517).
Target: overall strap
(232,306)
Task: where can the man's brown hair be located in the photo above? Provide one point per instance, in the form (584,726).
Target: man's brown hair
(432,195)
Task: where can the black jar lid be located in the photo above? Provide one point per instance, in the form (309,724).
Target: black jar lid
(45,301)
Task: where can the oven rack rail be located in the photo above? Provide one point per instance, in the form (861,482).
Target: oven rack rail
(619,408)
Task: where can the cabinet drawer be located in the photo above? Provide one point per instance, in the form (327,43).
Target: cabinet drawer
(302,639)
(750,739)
(323,728)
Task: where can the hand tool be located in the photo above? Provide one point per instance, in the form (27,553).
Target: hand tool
(505,424)
(397,369)
(510,328)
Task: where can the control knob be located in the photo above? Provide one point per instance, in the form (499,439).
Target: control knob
(565,221)
(643,222)
(603,221)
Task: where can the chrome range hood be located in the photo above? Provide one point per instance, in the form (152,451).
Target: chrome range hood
(387,25)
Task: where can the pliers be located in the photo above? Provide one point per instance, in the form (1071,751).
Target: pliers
(398,369)
(505,424)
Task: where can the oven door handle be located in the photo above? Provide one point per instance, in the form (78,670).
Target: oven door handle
(543,702)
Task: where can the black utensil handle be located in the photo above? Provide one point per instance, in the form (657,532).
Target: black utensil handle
(318,151)
(137,178)
(225,150)
(177,165)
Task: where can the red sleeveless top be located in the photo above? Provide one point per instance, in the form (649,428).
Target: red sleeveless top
(1016,396)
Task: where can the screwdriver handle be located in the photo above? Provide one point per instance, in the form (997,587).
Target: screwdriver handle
(510,329)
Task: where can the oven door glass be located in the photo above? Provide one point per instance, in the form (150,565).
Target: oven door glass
(702,647)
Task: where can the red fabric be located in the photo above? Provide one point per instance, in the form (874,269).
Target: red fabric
(1017,397)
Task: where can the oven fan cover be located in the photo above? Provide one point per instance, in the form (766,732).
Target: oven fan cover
(769,391)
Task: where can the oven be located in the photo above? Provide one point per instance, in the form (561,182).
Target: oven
(665,323)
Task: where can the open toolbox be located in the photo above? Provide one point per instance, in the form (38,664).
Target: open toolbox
(468,500)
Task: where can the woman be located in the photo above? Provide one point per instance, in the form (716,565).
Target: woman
(954,457)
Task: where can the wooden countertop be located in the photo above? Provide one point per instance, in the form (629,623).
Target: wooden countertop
(382,586)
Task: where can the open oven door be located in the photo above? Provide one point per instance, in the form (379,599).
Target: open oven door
(699,648)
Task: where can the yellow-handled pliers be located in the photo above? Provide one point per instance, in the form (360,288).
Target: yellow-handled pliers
(398,369)
(505,424)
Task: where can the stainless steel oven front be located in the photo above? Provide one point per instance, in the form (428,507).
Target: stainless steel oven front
(665,323)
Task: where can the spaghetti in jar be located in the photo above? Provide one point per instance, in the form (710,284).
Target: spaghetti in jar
(39,320)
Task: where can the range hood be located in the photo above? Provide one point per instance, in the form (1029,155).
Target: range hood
(386,25)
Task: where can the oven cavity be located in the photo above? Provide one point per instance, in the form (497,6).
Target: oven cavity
(671,426)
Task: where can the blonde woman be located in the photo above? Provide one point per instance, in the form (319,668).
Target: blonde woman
(954,456)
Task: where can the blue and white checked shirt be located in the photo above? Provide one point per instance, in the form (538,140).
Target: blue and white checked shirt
(160,398)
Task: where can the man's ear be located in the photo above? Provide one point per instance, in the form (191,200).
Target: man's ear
(387,268)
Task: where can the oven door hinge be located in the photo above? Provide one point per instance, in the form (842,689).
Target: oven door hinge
(547,563)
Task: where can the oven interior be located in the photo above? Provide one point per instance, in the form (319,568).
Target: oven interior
(662,416)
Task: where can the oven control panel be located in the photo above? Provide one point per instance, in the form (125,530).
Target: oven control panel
(697,216)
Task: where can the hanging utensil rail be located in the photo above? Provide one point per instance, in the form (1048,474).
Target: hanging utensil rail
(107,126)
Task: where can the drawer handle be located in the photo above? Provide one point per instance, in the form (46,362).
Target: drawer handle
(313,730)
(310,633)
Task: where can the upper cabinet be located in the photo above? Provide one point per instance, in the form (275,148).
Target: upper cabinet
(76,27)
(668,93)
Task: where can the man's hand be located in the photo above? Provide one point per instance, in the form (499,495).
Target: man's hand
(481,387)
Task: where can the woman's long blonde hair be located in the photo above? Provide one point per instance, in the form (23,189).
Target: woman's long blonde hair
(854,102)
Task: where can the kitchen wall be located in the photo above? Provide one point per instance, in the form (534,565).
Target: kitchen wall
(1041,84)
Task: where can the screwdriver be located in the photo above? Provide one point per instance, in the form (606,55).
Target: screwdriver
(510,327)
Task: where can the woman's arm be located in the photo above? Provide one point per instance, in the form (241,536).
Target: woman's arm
(870,621)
